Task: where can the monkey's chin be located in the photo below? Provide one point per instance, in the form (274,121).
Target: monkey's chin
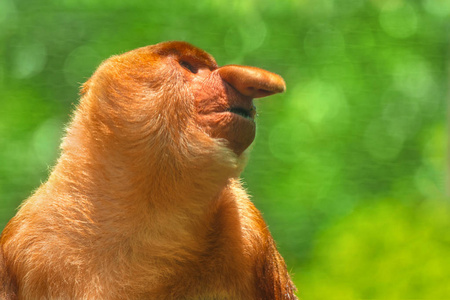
(237,130)
(241,132)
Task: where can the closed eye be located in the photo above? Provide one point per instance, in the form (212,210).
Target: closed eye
(188,66)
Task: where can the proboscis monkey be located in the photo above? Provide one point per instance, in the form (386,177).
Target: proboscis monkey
(145,201)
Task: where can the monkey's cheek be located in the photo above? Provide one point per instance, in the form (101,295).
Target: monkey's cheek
(237,130)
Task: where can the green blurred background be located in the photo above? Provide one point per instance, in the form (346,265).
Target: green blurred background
(349,165)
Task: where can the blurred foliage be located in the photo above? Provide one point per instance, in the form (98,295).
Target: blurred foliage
(348,166)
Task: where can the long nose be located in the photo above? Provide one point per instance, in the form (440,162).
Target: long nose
(252,82)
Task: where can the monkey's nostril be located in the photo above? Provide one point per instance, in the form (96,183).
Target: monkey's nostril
(257,93)
(265,93)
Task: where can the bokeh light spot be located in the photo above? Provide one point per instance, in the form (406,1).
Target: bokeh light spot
(427,182)
(46,140)
(29,59)
(253,33)
(399,21)
(246,37)
(439,8)
(8,16)
(321,103)
(435,145)
(412,76)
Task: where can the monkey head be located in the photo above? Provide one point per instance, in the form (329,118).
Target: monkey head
(177,93)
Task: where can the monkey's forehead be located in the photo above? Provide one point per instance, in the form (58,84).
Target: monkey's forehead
(183,50)
(138,58)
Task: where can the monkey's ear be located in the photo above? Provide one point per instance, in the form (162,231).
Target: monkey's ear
(85,87)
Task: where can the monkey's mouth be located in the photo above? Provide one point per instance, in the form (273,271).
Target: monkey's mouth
(243,112)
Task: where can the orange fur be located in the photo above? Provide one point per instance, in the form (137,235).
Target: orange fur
(145,200)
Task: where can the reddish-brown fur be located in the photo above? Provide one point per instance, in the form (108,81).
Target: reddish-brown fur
(145,200)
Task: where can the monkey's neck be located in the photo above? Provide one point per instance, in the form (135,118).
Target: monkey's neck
(127,187)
